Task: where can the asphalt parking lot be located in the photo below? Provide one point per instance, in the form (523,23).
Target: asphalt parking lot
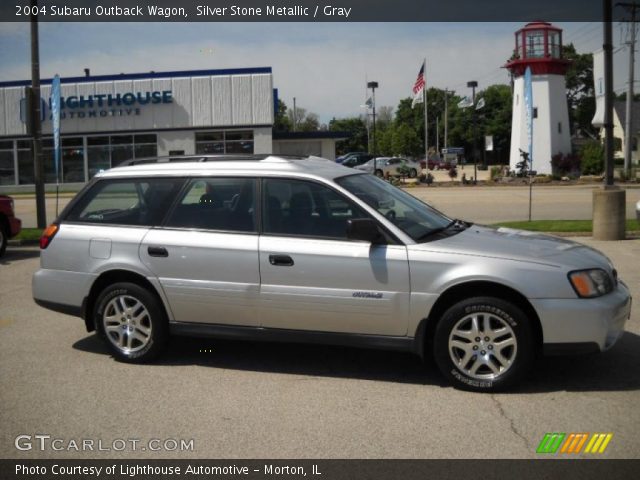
(251,400)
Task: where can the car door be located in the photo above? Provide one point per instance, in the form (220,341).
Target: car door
(313,278)
(392,166)
(206,253)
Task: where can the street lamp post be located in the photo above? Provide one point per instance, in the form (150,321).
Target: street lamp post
(373,86)
(472,85)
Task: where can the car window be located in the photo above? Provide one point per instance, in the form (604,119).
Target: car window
(297,207)
(413,217)
(225,204)
(126,202)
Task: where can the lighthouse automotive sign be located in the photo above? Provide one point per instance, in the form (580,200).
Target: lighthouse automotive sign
(103,105)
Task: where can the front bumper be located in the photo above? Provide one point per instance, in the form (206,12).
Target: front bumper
(596,321)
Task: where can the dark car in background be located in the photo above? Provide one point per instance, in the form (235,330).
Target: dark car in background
(10,226)
(353,159)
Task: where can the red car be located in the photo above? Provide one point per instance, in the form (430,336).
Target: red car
(10,226)
(435,164)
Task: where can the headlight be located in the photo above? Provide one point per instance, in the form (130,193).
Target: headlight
(591,283)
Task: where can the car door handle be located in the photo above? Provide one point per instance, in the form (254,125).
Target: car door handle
(157,252)
(281,260)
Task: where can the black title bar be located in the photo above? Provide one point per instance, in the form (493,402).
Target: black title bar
(305,11)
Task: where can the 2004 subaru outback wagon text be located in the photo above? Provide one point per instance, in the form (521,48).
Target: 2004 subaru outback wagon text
(304,250)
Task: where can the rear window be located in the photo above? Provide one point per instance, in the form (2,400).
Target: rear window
(141,202)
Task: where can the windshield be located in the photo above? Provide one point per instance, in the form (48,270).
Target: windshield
(413,217)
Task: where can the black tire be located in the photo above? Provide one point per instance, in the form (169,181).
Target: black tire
(495,364)
(413,173)
(379,173)
(4,236)
(132,321)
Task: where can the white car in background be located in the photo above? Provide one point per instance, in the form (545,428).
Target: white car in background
(391,166)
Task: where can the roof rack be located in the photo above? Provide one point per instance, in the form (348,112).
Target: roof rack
(207,158)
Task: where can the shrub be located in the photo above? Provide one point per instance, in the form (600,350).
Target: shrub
(592,155)
(495,172)
(453,173)
(568,164)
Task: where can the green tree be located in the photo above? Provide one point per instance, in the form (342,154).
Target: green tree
(281,122)
(384,144)
(405,142)
(357,130)
(495,119)
(580,90)
(384,117)
(592,162)
(303,121)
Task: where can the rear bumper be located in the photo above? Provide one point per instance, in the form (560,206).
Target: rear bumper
(60,290)
(584,325)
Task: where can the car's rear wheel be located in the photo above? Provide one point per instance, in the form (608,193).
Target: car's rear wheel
(379,173)
(484,344)
(413,173)
(132,321)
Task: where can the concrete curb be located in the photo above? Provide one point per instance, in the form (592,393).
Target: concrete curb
(22,243)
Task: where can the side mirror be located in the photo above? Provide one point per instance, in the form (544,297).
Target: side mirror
(364,229)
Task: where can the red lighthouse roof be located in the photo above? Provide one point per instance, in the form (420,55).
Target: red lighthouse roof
(539,46)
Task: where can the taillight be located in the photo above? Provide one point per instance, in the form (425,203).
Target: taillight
(48,235)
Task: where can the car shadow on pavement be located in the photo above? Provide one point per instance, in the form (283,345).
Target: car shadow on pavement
(287,358)
(615,370)
(15,254)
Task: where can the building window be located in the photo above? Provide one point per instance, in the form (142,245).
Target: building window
(26,171)
(7,168)
(559,127)
(71,168)
(104,152)
(535,44)
(554,44)
(218,142)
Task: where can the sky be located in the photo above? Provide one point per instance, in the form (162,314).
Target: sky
(325,66)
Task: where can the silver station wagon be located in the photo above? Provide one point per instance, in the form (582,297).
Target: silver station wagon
(304,250)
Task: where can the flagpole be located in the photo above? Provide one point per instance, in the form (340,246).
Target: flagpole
(426,115)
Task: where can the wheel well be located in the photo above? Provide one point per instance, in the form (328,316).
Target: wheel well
(454,294)
(4,223)
(108,278)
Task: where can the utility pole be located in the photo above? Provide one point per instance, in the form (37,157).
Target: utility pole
(628,129)
(295,114)
(34,122)
(609,201)
(373,86)
(473,84)
(446,119)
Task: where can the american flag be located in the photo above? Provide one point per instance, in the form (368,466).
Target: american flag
(419,85)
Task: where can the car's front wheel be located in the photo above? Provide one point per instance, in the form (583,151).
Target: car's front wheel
(379,173)
(413,173)
(132,321)
(484,344)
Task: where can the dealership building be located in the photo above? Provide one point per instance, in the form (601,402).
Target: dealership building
(108,119)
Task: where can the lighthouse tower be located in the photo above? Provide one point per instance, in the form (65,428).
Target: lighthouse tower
(539,47)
